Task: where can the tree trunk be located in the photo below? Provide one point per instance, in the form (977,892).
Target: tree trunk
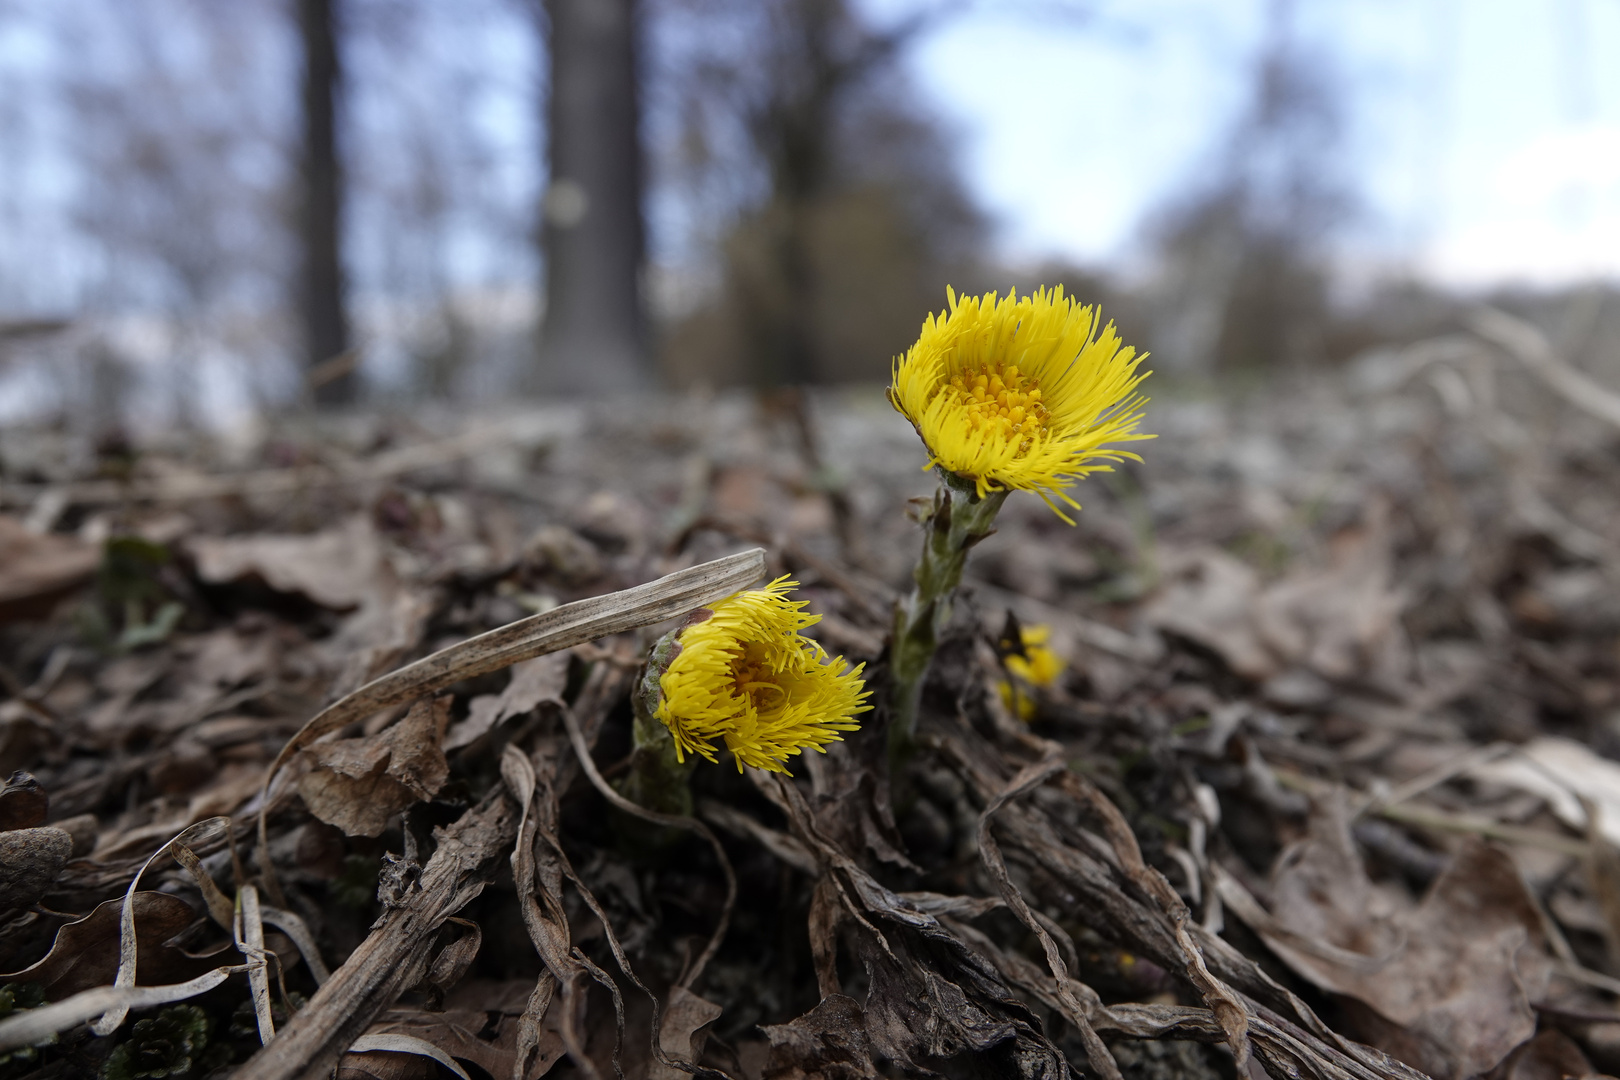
(321,283)
(594,339)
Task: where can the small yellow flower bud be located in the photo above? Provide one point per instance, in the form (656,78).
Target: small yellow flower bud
(746,675)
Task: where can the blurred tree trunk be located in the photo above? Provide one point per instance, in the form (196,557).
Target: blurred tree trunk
(321,284)
(821,56)
(595,334)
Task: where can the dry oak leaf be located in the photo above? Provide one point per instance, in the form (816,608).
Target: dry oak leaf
(358,784)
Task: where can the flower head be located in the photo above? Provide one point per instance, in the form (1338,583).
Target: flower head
(1039,666)
(745,674)
(1020,393)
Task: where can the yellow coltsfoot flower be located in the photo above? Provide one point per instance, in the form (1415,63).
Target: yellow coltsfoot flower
(1039,666)
(1020,393)
(744,674)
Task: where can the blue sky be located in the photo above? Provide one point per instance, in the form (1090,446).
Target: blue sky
(1484,134)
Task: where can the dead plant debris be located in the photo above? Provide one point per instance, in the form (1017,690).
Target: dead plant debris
(1325,789)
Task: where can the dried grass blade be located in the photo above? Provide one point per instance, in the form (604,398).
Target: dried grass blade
(551,631)
(407,1044)
(298,930)
(220,908)
(26,1028)
(550,935)
(249,932)
(125,978)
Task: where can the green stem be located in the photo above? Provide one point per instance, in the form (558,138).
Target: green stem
(657,779)
(958,521)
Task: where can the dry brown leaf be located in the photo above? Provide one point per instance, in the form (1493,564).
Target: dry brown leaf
(1563,772)
(1341,621)
(23,803)
(358,784)
(828,1041)
(85,953)
(456,957)
(337,568)
(386,1065)
(1551,1055)
(397,1044)
(1208,597)
(457,1032)
(680,1033)
(38,570)
(1449,983)
(228,657)
(387,627)
(533,681)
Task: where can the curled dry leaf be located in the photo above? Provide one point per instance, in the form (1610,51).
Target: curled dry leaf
(394,1043)
(472,1035)
(358,784)
(681,1034)
(386,1065)
(454,959)
(830,1041)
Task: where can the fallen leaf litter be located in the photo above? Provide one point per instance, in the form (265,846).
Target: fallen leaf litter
(1327,780)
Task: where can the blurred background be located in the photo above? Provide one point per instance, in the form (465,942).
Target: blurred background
(213,211)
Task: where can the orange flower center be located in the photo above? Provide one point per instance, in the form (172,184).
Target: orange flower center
(754,679)
(1002,401)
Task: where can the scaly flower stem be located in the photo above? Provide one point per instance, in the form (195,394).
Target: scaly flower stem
(658,778)
(959,520)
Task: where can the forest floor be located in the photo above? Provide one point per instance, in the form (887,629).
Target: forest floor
(1328,785)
